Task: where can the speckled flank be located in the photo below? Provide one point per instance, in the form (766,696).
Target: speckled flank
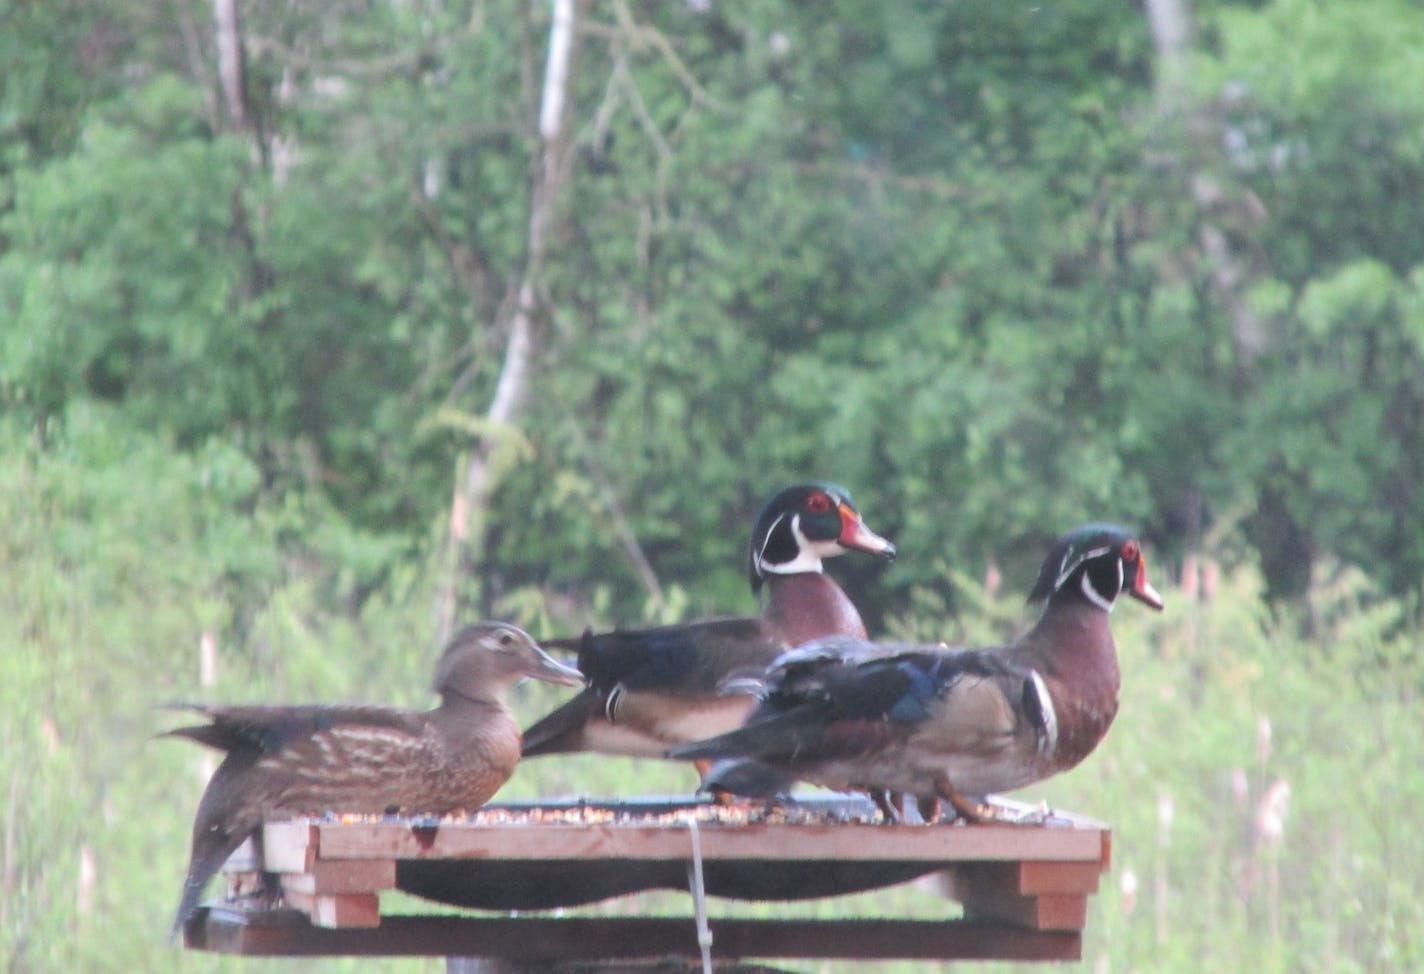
(285,761)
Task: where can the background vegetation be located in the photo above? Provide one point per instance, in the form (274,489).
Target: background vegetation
(998,267)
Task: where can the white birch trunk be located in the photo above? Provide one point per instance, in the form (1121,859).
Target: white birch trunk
(481,472)
(232,64)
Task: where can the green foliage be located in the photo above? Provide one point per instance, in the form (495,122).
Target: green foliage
(120,555)
(965,279)
(94,285)
(1325,420)
(966,259)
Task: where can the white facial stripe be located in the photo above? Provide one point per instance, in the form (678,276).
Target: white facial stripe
(766,540)
(1096,597)
(808,553)
(1067,569)
(610,706)
(1050,716)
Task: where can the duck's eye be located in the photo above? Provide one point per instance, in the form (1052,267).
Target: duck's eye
(818,504)
(1130,551)
(506,638)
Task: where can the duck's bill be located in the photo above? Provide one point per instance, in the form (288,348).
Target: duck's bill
(549,669)
(1142,589)
(857,537)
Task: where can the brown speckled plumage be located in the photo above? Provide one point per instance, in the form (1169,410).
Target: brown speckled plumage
(286,761)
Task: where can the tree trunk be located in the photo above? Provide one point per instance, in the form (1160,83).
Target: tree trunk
(1228,215)
(484,467)
(232,64)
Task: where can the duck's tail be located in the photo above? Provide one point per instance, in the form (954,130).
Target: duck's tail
(204,865)
(562,730)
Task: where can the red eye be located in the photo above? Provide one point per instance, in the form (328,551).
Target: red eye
(818,503)
(1129,551)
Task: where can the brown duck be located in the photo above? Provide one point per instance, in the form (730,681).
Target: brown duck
(287,761)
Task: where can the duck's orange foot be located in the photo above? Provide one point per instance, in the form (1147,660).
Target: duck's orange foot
(971,813)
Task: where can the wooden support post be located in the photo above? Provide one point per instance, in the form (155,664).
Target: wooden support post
(338,910)
(343,876)
(1038,895)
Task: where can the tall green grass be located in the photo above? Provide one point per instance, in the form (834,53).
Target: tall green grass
(1263,787)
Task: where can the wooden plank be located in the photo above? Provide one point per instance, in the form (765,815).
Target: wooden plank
(847,841)
(246,858)
(625,938)
(290,847)
(660,965)
(338,910)
(1051,911)
(343,876)
(243,870)
(1036,877)
(243,883)
(500,965)
(989,891)
(1024,887)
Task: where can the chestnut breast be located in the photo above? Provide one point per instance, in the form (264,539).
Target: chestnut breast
(810,606)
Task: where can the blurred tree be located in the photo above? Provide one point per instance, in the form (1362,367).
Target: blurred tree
(997,267)
(1304,187)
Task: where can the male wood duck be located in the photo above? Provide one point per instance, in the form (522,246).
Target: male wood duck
(650,689)
(286,761)
(938,723)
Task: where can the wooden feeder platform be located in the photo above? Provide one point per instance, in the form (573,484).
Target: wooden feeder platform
(1024,888)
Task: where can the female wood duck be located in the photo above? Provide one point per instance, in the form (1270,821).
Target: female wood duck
(650,689)
(939,723)
(285,761)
